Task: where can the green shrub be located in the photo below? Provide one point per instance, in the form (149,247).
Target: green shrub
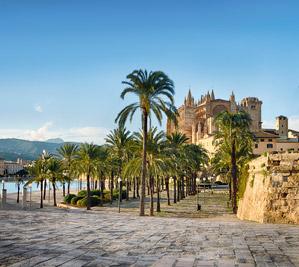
(75,200)
(82,193)
(95,192)
(116,193)
(67,199)
(94,201)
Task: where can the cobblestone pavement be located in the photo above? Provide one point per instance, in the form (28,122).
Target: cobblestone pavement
(53,237)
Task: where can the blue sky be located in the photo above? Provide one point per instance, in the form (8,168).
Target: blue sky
(62,61)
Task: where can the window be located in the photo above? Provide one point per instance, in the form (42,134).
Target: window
(262,140)
(253,107)
(269,145)
(281,149)
(269,140)
(256,145)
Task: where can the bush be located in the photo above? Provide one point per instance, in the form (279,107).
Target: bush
(94,201)
(116,193)
(95,192)
(67,199)
(75,200)
(82,193)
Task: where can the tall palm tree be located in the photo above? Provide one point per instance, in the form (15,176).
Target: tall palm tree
(175,144)
(68,152)
(234,137)
(157,162)
(87,159)
(119,141)
(55,173)
(155,92)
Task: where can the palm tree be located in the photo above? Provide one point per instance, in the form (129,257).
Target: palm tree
(119,141)
(157,162)
(155,92)
(68,152)
(87,158)
(55,173)
(175,144)
(234,137)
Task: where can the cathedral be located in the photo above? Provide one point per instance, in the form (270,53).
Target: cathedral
(196,121)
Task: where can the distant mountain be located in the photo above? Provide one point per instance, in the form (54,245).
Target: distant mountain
(11,148)
(55,141)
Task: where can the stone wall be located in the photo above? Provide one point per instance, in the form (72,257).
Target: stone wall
(272,190)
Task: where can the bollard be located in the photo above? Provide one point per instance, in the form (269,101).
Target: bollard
(4,196)
(24,202)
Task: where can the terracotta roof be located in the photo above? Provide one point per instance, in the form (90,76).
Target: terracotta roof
(265,134)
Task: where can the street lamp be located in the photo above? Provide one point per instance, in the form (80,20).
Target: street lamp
(119,192)
(3,187)
(197,200)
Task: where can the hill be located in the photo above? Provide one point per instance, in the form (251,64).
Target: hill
(11,148)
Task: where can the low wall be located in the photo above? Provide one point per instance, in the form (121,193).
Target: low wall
(272,190)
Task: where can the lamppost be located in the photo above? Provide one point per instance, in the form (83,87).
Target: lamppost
(119,192)
(197,200)
(204,188)
(3,187)
(30,194)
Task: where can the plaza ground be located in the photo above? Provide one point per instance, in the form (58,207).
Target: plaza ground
(179,236)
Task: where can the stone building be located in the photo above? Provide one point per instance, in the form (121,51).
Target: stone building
(196,121)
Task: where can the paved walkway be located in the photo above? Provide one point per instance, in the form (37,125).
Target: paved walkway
(55,237)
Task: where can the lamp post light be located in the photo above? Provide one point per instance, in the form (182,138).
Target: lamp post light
(197,200)
(119,192)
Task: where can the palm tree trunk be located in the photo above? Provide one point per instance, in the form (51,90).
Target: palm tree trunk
(18,196)
(41,194)
(111,187)
(127,187)
(134,187)
(167,190)
(63,189)
(151,182)
(102,185)
(179,190)
(88,192)
(158,195)
(68,186)
(143,177)
(183,187)
(45,189)
(234,176)
(54,193)
(174,189)
(137,187)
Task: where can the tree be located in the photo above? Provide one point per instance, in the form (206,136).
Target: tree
(119,141)
(87,159)
(39,171)
(54,173)
(235,139)
(157,162)
(68,152)
(155,92)
(175,144)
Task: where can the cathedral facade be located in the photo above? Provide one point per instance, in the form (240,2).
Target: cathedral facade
(196,121)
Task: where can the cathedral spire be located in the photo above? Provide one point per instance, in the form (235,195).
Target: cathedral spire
(232,97)
(190,99)
(212,95)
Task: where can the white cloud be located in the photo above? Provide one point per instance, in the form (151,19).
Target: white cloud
(38,108)
(41,133)
(80,134)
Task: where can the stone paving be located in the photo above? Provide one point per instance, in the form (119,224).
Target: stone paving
(57,237)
